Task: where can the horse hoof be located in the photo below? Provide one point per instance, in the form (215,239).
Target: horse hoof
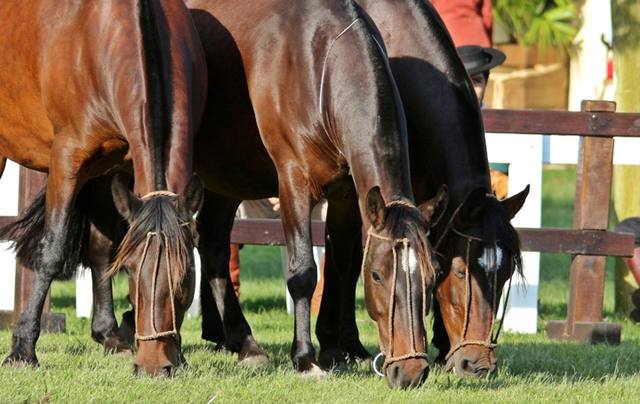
(251,355)
(255,361)
(117,346)
(18,360)
(314,372)
(333,359)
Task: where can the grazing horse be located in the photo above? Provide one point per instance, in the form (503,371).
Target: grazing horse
(477,247)
(94,86)
(305,98)
(323,105)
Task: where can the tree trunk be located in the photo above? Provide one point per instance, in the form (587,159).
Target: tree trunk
(626,42)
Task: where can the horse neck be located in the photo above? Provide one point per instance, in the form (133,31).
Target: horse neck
(171,99)
(446,134)
(369,124)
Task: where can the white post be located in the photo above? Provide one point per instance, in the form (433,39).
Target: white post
(194,309)
(8,207)
(524,155)
(84,292)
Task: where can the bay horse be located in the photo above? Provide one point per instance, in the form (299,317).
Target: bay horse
(95,86)
(477,248)
(305,107)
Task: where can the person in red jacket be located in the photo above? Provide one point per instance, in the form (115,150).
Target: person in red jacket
(469,21)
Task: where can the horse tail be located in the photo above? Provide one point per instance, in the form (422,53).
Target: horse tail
(156,95)
(28,231)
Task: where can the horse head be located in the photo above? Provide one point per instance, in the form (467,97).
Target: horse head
(481,251)
(399,275)
(157,253)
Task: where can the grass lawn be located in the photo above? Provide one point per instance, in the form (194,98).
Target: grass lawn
(532,368)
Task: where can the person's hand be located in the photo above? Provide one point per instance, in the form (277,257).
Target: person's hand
(275,204)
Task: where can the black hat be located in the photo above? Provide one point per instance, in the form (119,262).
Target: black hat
(630,225)
(477,59)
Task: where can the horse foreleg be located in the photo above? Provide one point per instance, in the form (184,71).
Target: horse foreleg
(104,326)
(295,206)
(214,226)
(336,327)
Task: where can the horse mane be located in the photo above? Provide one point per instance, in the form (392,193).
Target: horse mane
(155,85)
(157,215)
(407,222)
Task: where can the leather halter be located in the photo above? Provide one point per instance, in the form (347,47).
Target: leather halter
(404,242)
(491,340)
(158,193)
(155,334)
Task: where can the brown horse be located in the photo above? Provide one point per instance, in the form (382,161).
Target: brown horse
(477,247)
(328,108)
(89,87)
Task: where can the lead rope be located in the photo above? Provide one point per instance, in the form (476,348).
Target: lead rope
(324,64)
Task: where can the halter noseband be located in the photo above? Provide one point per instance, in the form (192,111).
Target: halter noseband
(174,329)
(388,354)
(491,340)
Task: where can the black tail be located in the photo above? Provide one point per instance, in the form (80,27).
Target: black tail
(28,231)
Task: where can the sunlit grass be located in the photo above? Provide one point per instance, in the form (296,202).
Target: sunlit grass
(532,368)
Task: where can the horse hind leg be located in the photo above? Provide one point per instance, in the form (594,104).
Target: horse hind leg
(223,322)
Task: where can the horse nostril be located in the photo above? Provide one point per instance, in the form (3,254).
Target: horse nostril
(465,365)
(136,370)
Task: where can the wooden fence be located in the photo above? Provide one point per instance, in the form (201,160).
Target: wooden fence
(589,241)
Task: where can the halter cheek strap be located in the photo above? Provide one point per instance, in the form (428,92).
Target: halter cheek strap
(492,339)
(404,242)
(155,334)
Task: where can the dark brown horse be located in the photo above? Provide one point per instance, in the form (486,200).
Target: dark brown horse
(89,87)
(329,108)
(304,98)
(477,247)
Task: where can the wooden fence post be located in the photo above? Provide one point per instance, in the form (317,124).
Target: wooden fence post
(31,182)
(586,280)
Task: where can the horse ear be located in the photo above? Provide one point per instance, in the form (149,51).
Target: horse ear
(193,196)
(513,204)
(434,208)
(125,200)
(375,208)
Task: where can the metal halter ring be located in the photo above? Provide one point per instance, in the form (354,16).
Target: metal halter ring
(375,367)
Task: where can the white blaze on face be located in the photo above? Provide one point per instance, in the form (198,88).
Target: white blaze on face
(413,260)
(487,262)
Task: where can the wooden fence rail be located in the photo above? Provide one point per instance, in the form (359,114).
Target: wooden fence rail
(589,241)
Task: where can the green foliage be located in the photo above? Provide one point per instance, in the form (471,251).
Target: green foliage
(542,23)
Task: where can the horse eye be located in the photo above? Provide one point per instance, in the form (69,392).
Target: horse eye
(376,277)
(458,267)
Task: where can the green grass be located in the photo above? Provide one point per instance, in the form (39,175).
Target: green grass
(532,368)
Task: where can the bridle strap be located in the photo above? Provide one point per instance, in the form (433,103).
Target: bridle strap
(158,193)
(404,242)
(174,330)
(492,339)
